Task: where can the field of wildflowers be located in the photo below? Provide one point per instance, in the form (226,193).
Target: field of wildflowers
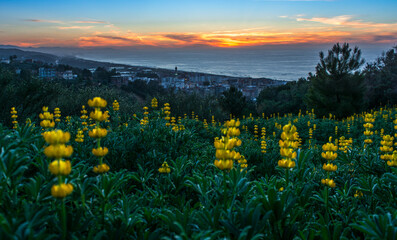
(153,175)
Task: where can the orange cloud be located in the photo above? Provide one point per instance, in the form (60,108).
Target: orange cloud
(212,39)
(108,40)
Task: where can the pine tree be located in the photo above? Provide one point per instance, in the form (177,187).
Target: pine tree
(381,80)
(233,101)
(337,87)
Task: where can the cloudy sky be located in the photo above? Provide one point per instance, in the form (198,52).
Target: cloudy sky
(175,23)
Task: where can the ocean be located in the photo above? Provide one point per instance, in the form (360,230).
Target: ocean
(281,63)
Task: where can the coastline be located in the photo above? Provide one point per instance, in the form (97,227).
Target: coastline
(83,62)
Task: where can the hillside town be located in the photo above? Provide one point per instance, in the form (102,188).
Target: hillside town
(123,75)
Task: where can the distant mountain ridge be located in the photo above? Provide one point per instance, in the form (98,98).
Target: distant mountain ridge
(7,50)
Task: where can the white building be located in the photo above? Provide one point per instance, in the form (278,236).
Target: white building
(6,61)
(68,75)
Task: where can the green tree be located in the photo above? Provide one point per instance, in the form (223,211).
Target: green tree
(286,98)
(381,80)
(103,76)
(338,85)
(233,101)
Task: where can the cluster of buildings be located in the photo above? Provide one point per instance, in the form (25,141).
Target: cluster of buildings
(180,81)
(5,60)
(194,82)
(48,73)
(51,73)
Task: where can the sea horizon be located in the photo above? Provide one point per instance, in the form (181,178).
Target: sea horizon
(288,64)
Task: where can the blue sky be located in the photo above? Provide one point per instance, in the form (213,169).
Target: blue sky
(218,23)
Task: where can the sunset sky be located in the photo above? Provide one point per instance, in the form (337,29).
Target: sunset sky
(167,23)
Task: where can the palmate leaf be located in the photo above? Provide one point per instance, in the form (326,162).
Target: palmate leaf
(32,223)
(378,226)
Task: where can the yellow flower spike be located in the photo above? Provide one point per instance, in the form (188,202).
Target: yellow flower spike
(225,155)
(100,152)
(164,168)
(60,167)
(79,136)
(154,103)
(61,190)
(14,117)
(116,106)
(97,102)
(358,194)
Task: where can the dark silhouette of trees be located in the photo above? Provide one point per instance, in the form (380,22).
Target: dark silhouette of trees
(233,101)
(287,98)
(381,80)
(337,87)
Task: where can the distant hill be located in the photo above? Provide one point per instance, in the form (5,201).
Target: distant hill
(6,51)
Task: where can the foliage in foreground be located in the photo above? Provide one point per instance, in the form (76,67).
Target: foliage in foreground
(196,200)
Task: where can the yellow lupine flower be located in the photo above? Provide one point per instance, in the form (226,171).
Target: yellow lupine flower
(329,155)
(287,143)
(328,182)
(100,152)
(61,190)
(154,103)
(358,194)
(47,124)
(330,147)
(286,163)
(288,152)
(224,164)
(58,151)
(329,167)
(236,155)
(46,116)
(98,133)
(60,167)
(232,123)
(102,168)
(99,116)
(56,137)
(80,136)
(368,125)
(164,168)
(97,102)
(116,105)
